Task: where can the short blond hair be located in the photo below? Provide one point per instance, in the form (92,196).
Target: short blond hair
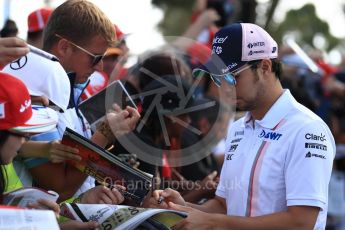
(79,21)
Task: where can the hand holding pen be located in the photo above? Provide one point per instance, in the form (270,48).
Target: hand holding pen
(11,49)
(161,198)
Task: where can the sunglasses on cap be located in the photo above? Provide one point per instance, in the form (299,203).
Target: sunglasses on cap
(96,58)
(230,78)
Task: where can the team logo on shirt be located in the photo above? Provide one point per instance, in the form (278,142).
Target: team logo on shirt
(233,148)
(236,140)
(239,133)
(19,63)
(270,135)
(315,146)
(229,157)
(310,155)
(310,136)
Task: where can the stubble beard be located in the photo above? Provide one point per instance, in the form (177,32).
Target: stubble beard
(250,104)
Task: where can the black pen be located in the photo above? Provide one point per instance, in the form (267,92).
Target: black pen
(42,53)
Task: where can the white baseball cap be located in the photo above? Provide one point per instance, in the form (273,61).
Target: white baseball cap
(235,45)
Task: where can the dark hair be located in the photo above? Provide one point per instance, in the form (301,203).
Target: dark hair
(159,64)
(10,29)
(3,175)
(276,66)
(33,36)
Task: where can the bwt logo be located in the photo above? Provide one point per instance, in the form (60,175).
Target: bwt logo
(270,135)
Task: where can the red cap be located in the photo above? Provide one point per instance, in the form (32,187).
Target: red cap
(119,34)
(38,19)
(16,112)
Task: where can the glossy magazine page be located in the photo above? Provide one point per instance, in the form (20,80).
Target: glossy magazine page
(121,216)
(24,196)
(14,218)
(108,169)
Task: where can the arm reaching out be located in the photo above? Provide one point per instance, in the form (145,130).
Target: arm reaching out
(54,151)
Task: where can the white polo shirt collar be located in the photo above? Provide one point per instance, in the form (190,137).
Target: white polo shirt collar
(276,113)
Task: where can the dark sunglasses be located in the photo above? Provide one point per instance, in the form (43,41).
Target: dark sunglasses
(96,58)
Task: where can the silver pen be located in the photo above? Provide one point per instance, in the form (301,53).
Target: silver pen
(160,199)
(42,53)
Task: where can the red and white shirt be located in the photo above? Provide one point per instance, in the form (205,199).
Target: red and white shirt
(283,160)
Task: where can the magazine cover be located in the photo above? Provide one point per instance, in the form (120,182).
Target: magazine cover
(108,169)
(24,196)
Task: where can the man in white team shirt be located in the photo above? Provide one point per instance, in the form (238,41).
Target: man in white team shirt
(279,156)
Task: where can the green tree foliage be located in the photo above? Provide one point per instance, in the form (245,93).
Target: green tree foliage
(305,24)
(177,15)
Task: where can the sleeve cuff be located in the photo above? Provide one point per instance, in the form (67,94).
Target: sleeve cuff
(220,193)
(306,202)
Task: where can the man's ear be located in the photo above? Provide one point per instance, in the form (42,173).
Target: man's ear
(63,47)
(266,65)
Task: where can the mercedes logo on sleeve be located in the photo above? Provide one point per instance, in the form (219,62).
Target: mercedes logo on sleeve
(19,63)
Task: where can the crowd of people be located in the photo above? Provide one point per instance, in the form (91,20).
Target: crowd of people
(236,129)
